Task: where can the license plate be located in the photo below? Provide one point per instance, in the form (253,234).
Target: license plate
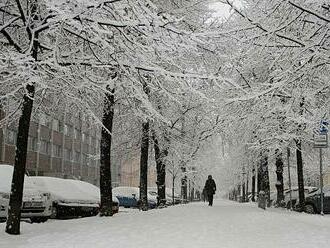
(32,204)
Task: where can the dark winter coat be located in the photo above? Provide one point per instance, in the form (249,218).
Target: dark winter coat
(210,187)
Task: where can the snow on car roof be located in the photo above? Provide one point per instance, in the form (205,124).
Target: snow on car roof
(6,175)
(66,189)
(90,189)
(168,191)
(126,191)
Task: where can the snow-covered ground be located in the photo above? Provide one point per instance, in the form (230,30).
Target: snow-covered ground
(225,225)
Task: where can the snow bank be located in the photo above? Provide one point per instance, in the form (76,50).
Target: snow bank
(225,225)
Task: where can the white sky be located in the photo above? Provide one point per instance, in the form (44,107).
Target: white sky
(223,10)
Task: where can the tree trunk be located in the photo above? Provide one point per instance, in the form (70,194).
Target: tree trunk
(247,188)
(300,174)
(253,185)
(161,172)
(243,192)
(184,186)
(300,169)
(105,155)
(264,184)
(17,185)
(279,176)
(15,202)
(173,184)
(144,167)
(2,134)
(259,177)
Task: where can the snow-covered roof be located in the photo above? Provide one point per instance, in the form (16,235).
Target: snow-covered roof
(6,175)
(126,191)
(67,190)
(89,189)
(168,191)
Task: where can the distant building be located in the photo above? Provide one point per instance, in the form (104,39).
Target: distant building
(66,146)
(130,172)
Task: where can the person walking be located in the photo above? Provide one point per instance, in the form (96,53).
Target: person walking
(210,188)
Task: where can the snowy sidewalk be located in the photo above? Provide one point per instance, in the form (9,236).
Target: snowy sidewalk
(225,225)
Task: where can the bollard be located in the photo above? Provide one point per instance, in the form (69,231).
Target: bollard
(262,200)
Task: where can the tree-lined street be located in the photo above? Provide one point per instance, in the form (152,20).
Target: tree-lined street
(135,103)
(226,224)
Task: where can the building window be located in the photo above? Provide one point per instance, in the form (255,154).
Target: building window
(32,144)
(77,156)
(45,147)
(45,120)
(57,151)
(68,154)
(61,126)
(11,137)
(85,158)
(56,125)
(77,133)
(85,138)
(68,130)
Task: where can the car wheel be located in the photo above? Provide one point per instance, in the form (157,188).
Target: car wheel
(309,208)
(54,212)
(38,219)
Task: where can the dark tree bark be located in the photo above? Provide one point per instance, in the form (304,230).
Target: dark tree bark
(161,171)
(247,189)
(259,177)
(173,185)
(184,186)
(16,195)
(144,166)
(2,135)
(15,202)
(300,174)
(300,168)
(279,176)
(243,192)
(105,155)
(253,185)
(264,184)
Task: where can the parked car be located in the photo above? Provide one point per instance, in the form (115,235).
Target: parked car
(94,192)
(37,205)
(129,197)
(168,194)
(295,195)
(71,198)
(313,201)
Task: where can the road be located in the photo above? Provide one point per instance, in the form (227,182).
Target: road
(225,225)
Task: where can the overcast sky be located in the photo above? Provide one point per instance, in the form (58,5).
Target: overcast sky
(223,10)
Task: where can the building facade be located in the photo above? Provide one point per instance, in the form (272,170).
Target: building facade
(66,146)
(130,172)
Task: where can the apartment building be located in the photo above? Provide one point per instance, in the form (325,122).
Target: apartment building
(130,172)
(66,146)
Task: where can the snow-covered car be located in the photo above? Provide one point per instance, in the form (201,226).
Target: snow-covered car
(313,201)
(295,195)
(129,197)
(168,194)
(169,197)
(71,198)
(37,205)
(94,191)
